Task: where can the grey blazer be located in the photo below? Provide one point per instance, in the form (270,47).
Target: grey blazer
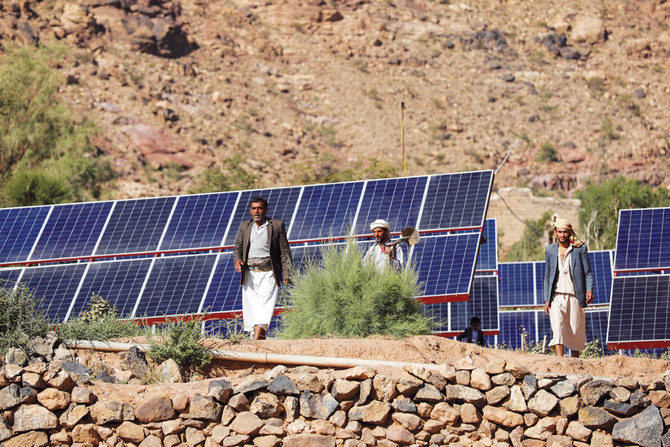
(280,253)
(580,268)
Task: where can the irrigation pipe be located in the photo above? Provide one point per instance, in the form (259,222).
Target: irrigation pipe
(258,357)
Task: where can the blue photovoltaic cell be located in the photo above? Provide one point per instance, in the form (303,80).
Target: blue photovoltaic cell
(446,263)
(642,239)
(326,211)
(398,201)
(10,276)
(483,303)
(281,205)
(135,226)
(19,228)
(199,221)
(118,282)
(225,292)
(456,200)
(72,230)
(543,327)
(513,324)
(640,309)
(539,282)
(55,286)
(601,266)
(596,327)
(488,250)
(176,285)
(517,287)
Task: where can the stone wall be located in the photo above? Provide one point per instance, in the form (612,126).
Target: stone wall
(502,404)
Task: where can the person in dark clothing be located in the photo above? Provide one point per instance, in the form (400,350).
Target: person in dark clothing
(473,334)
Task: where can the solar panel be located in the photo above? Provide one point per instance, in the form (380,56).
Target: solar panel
(135,226)
(199,221)
(118,282)
(639,312)
(10,276)
(446,264)
(72,230)
(19,229)
(225,291)
(517,284)
(326,211)
(596,326)
(642,239)
(55,286)
(175,285)
(601,266)
(513,325)
(466,195)
(397,201)
(488,249)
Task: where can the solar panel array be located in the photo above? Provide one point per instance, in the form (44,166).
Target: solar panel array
(640,304)
(129,240)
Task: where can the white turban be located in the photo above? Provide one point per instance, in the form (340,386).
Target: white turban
(380,223)
(563,224)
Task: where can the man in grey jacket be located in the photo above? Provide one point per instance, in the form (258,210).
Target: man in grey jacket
(263,257)
(568,289)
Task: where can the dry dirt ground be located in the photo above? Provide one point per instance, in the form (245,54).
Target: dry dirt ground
(418,349)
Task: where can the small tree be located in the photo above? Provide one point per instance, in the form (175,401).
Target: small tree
(340,296)
(178,340)
(20,316)
(601,203)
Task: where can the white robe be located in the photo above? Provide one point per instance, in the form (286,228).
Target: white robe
(259,296)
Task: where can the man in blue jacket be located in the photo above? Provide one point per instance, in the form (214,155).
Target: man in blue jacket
(568,288)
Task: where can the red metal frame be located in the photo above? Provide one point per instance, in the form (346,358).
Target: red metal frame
(639,345)
(453,334)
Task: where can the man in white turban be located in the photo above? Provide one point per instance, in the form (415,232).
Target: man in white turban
(568,289)
(380,253)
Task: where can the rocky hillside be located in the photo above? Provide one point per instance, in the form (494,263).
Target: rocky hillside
(302,88)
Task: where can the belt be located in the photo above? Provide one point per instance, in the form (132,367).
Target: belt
(260,269)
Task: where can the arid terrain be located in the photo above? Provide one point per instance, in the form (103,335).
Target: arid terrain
(302,89)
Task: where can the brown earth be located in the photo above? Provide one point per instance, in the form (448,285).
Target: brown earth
(418,349)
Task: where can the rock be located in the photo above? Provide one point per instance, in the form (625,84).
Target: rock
(428,393)
(32,439)
(529,386)
(620,394)
(460,394)
(73,415)
(645,429)
(408,386)
(563,389)
(516,401)
(497,394)
(27,395)
(33,417)
(385,388)
(82,396)
(375,412)
(344,389)
(559,24)
(129,431)
(660,398)
(503,379)
(317,406)
(544,428)
(202,407)
(444,413)
(43,346)
(403,404)
(502,417)
(247,423)
(639,399)
(588,29)
(311,440)
(570,405)
(284,386)
(437,380)
(16,356)
(156,409)
(136,361)
(620,409)
(593,391)
(462,377)
(77,372)
(508,77)
(559,441)
(169,372)
(480,380)
(593,417)
(251,383)
(639,93)
(239,402)
(10,396)
(399,435)
(266,405)
(542,403)
(53,399)
(578,432)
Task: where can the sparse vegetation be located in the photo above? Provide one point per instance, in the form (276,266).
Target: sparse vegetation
(178,340)
(20,317)
(532,243)
(230,177)
(547,153)
(607,130)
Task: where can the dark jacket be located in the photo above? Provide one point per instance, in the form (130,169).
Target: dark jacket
(280,253)
(580,270)
(466,336)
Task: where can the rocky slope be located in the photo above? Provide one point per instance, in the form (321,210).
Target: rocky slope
(302,88)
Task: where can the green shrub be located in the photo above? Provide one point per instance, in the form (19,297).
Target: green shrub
(99,322)
(339,296)
(532,243)
(178,340)
(547,153)
(20,317)
(591,350)
(230,177)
